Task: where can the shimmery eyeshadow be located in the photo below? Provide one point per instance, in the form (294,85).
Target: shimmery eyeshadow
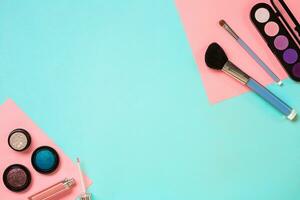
(281,42)
(296,70)
(45,160)
(271,29)
(16,178)
(19,140)
(290,56)
(262,15)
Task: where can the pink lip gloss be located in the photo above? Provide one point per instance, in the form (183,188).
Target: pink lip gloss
(54,190)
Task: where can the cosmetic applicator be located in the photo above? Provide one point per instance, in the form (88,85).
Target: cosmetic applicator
(55,190)
(216,59)
(250,51)
(84,195)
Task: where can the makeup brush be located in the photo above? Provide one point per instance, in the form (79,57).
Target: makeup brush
(250,51)
(216,59)
(84,195)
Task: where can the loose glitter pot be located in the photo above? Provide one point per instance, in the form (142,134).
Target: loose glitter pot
(272,27)
(45,160)
(16,178)
(19,140)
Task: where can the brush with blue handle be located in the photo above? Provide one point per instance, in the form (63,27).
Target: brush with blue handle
(250,52)
(217,59)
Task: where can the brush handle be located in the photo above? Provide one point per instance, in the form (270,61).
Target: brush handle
(268,96)
(258,60)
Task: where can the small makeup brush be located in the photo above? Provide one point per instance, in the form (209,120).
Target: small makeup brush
(216,59)
(250,51)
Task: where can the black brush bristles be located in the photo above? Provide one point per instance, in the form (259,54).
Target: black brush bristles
(215,56)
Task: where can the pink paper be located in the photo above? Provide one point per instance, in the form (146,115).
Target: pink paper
(200,19)
(12,117)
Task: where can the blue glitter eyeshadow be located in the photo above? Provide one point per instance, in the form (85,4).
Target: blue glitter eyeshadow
(45,160)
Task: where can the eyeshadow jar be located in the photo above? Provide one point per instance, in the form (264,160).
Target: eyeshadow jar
(19,139)
(16,178)
(45,160)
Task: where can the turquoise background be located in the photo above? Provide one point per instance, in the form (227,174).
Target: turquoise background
(115,83)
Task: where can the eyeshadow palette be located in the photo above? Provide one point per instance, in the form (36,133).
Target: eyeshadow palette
(277,36)
(288,18)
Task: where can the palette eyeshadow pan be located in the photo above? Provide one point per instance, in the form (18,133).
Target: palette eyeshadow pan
(278,38)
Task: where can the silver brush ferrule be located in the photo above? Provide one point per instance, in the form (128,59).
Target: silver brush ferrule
(230,31)
(232,70)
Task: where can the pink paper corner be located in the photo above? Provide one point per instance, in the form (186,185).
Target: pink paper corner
(12,117)
(200,19)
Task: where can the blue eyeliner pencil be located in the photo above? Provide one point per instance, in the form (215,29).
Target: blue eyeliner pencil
(250,52)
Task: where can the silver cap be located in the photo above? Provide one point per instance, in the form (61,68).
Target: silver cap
(68,183)
(86,196)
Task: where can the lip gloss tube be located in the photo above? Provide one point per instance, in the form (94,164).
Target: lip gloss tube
(54,190)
